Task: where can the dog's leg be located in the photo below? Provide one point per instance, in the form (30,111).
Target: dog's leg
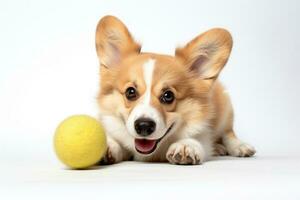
(115,153)
(220,150)
(186,151)
(236,147)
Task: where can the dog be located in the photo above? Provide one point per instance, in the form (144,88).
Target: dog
(161,108)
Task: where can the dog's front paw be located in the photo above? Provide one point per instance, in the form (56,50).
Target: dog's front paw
(185,153)
(113,154)
(241,150)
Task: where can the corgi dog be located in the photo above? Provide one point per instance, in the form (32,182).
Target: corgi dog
(161,108)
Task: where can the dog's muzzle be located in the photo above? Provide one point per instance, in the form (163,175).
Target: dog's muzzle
(146,146)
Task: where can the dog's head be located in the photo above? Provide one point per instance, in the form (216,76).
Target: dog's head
(155,95)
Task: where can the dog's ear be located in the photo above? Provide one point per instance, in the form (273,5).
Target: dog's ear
(113,41)
(206,54)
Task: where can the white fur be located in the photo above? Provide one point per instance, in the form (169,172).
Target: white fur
(144,107)
(236,147)
(202,133)
(195,129)
(148,69)
(115,149)
(186,151)
(116,129)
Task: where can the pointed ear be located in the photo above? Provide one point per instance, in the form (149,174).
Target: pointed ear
(207,54)
(113,41)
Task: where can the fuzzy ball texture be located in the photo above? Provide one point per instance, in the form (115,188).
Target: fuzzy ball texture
(80,141)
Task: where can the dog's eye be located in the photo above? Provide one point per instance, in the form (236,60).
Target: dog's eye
(167,97)
(131,93)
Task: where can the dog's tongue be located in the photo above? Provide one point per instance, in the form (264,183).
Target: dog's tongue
(144,146)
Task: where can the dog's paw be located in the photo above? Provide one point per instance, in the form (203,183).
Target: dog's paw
(113,153)
(241,150)
(185,153)
(220,150)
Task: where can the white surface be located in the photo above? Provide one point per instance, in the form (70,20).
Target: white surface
(49,70)
(263,177)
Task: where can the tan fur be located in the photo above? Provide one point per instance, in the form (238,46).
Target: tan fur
(191,75)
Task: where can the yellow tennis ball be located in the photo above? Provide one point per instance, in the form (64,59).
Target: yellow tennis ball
(80,141)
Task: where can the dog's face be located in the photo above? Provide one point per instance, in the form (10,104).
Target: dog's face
(150,88)
(156,95)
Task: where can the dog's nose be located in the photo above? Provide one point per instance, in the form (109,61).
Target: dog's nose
(144,126)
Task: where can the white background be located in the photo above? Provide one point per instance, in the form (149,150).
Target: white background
(49,70)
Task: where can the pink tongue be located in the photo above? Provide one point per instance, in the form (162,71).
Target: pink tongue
(144,146)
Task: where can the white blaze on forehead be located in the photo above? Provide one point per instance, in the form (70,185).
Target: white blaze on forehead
(148,69)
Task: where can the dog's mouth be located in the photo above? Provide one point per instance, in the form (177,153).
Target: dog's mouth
(145,146)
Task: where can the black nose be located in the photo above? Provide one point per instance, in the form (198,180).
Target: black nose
(144,126)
